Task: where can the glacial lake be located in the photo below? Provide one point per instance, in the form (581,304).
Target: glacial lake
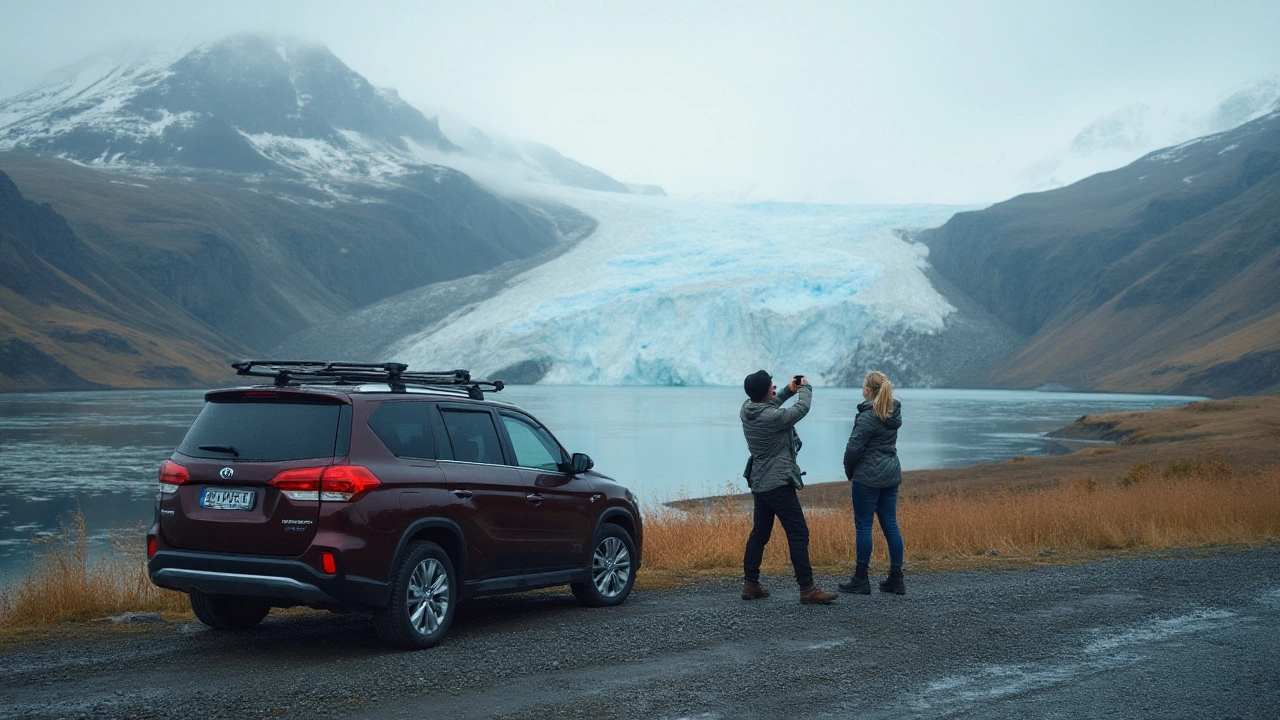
(99,451)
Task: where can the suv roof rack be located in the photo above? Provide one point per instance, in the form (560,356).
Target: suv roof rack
(395,375)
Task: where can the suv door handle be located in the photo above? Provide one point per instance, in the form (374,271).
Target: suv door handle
(463,494)
(534,498)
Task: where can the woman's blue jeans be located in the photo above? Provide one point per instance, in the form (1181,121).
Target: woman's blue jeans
(876,502)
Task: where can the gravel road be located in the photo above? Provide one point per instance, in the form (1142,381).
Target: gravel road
(1171,637)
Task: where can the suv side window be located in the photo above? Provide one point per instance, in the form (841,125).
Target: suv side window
(404,428)
(472,436)
(533,446)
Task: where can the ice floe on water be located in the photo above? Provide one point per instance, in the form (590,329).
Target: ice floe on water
(682,292)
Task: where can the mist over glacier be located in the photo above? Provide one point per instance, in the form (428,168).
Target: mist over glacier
(682,292)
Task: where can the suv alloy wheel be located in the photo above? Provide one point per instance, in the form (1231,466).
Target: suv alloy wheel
(612,573)
(423,599)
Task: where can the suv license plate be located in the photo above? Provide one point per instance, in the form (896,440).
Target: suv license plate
(226,498)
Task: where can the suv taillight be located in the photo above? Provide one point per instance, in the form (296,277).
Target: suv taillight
(335,483)
(171,476)
(346,482)
(299,483)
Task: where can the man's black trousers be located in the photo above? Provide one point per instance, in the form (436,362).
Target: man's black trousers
(783,504)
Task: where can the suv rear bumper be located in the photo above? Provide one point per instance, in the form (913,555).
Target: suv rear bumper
(278,580)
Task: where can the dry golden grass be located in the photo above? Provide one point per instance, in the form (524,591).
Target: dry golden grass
(1242,431)
(1187,503)
(65,583)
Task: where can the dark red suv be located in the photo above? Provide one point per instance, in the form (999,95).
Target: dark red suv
(368,487)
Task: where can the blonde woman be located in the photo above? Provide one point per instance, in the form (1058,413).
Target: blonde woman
(871,463)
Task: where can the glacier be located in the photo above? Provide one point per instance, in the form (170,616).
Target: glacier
(685,292)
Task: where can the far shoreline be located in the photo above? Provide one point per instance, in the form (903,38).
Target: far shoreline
(1244,432)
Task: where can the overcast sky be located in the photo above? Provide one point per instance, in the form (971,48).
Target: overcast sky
(950,102)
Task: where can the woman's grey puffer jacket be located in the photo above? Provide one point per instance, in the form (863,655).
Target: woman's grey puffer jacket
(871,457)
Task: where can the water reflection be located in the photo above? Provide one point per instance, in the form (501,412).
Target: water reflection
(668,440)
(99,451)
(96,452)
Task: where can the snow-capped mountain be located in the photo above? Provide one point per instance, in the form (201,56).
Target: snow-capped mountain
(257,107)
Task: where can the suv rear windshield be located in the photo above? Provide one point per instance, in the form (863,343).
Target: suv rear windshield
(274,429)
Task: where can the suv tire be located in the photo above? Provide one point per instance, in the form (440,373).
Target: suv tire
(223,612)
(612,569)
(424,595)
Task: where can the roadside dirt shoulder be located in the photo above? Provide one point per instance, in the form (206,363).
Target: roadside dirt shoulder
(1197,632)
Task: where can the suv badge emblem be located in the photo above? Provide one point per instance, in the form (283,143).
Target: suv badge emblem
(226,473)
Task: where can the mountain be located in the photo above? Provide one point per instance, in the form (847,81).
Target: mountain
(259,185)
(72,317)
(255,107)
(249,104)
(1161,276)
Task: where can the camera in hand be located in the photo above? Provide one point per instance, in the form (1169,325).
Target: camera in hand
(798,380)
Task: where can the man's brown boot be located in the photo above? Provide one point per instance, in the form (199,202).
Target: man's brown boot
(753,591)
(812,595)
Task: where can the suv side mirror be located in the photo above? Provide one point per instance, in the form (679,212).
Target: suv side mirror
(581,462)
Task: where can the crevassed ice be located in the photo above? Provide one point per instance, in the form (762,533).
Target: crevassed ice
(684,292)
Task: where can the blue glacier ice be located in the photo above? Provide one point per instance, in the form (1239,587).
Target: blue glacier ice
(684,292)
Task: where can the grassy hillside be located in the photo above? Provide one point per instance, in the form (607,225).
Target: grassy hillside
(72,317)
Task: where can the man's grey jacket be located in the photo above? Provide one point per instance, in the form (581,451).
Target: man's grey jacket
(772,439)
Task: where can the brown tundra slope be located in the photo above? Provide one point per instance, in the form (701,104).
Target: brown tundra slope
(73,317)
(1162,276)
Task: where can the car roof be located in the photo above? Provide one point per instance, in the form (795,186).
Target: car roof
(368,391)
(356,377)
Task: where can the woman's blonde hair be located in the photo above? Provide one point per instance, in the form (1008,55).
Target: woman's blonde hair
(881,393)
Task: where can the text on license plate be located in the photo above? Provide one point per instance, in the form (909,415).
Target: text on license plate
(226,498)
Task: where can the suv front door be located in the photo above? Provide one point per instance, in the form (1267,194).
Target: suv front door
(562,508)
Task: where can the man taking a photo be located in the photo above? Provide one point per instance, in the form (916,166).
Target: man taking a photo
(774,478)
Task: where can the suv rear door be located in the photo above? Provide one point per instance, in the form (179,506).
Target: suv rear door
(240,441)
(490,498)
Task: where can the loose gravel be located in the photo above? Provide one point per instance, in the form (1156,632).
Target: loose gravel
(1190,635)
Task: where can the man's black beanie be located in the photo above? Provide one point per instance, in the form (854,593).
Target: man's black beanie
(757,385)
